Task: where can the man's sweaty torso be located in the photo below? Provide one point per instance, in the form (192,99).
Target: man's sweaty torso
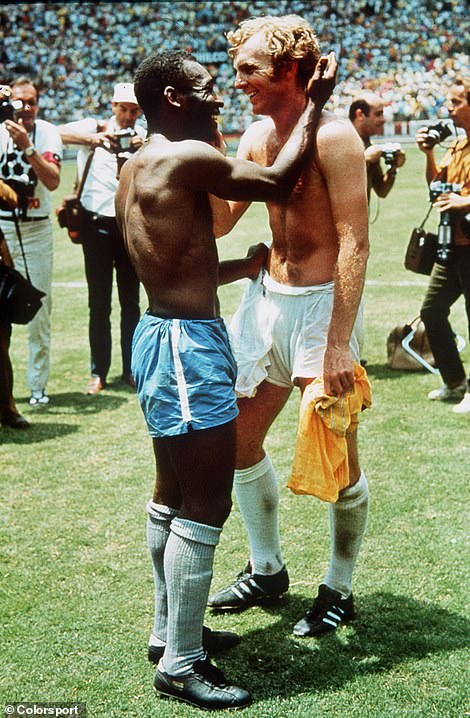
(305,246)
(171,242)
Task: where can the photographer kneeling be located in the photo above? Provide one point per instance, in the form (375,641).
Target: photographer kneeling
(111,142)
(450,189)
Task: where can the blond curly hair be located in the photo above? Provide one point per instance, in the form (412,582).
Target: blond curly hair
(288,38)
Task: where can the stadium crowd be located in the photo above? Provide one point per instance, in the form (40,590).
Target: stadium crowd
(405,50)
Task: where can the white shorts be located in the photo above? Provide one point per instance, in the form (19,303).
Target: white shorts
(279,333)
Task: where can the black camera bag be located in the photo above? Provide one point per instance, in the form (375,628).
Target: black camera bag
(19,299)
(421,251)
(70,212)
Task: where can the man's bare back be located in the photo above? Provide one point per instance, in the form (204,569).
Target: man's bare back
(171,244)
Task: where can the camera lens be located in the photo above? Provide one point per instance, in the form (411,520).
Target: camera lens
(432,137)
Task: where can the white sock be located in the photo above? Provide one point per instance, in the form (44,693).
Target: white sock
(348,519)
(257,492)
(189,555)
(158,529)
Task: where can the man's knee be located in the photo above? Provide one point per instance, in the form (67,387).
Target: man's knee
(212,513)
(248,454)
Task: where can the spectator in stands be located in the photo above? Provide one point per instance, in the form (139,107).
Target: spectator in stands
(103,246)
(31,155)
(78,53)
(367,115)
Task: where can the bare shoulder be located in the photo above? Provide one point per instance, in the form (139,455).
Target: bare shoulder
(337,132)
(260,128)
(254,137)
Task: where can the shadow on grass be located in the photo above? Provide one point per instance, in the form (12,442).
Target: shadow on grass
(61,405)
(389,629)
(77,403)
(37,433)
(383,371)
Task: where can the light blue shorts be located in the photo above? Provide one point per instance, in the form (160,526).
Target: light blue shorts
(185,374)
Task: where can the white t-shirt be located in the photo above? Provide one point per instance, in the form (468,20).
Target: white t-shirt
(101,182)
(14,165)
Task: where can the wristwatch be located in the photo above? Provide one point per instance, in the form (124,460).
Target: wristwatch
(29,151)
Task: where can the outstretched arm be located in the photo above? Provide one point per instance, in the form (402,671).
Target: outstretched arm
(207,170)
(247,267)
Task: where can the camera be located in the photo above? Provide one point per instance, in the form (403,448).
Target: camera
(123,141)
(8,109)
(390,153)
(437,133)
(24,187)
(445,230)
(437,187)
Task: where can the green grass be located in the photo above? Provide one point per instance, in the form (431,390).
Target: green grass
(76,592)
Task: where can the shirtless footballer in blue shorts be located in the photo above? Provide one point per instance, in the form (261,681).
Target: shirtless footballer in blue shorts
(185,374)
(182,362)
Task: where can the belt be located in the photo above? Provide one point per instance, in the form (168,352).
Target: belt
(99,217)
(26,219)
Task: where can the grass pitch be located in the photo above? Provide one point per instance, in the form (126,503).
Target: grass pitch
(76,596)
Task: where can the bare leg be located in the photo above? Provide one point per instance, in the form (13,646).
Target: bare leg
(194,475)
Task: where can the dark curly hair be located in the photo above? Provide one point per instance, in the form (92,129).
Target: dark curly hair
(156,72)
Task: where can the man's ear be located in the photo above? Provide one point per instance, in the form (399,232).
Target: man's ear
(172,96)
(290,69)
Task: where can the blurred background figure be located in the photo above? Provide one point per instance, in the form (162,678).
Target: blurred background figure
(367,115)
(9,414)
(112,141)
(449,183)
(31,155)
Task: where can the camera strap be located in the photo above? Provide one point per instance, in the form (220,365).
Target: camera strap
(20,240)
(421,226)
(86,169)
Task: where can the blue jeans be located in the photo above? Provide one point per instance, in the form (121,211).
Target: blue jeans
(104,252)
(446,285)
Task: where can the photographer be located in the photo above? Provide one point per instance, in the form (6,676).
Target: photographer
(31,155)
(450,277)
(9,414)
(112,142)
(367,115)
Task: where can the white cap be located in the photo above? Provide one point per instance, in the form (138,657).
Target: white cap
(124,92)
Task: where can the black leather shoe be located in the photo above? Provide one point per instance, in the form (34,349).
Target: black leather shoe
(129,380)
(250,589)
(212,641)
(16,421)
(329,610)
(205,687)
